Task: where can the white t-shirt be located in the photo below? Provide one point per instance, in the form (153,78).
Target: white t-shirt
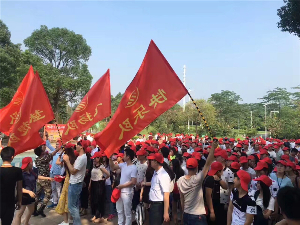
(96,173)
(140,140)
(259,202)
(227,176)
(190,150)
(94,151)
(127,172)
(274,188)
(160,183)
(250,171)
(80,164)
(141,171)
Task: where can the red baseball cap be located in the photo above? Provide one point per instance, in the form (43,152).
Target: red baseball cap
(88,150)
(260,165)
(226,142)
(238,146)
(192,163)
(297,167)
(281,162)
(157,156)
(215,167)
(76,153)
(292,165)
(235,165)
(25,162)
(187,155)
(286,149)
(263,152)
(244,178)
(97,155)
(267,160)
(141,152)
(222,153)
(120,155)
(233,158)
(265,179)
(115,195)
(197,149)
(285,157)
(44,143)
(243,159)
(251,157)
(196,155)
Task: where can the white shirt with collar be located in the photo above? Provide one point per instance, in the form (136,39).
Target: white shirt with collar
(190,150)
(160,184)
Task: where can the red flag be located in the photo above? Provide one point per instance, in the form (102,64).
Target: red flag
(35,112)
(10,113)
(95,106)
(154,90)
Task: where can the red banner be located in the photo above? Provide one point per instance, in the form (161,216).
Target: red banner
(51,129)
(35,112)
(10,113)
(95,106)
(154,90)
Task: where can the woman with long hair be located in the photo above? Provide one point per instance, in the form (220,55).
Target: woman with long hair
(29,189)
(264,201)
(62,206)
(178,171)
(97,188)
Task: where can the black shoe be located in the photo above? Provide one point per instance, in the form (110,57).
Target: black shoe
(35,211)
(40,211)
(43,214)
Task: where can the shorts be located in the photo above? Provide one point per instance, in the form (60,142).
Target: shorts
(27,200)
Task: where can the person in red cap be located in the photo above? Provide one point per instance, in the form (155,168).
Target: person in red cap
(97,188)
(29,189)
(264,200)
(293,155)
(211,192)
(127,182)
(43,186)
(280,175)
(141,167)
(242,208)
(290,172)
(227,176)
(190,187)
(10,182)
(245,166)
(235,166)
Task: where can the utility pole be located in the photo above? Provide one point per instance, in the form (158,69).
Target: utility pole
(251,120)
(265,119)
(184,67)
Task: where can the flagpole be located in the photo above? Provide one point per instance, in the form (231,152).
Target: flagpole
(58,130)
(201,114)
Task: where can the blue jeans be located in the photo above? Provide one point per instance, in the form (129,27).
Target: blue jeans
(73,202)
(189,219)
(112,208)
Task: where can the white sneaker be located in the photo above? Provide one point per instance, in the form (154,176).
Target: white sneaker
(63,223)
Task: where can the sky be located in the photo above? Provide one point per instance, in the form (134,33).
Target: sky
(225,45)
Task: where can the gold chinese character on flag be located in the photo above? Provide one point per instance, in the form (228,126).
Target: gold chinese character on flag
(158,98)
(24,128)
(85,118)
(71,126)
(13,138)
(140,113)
(14,117)
(127,127)
(36,116)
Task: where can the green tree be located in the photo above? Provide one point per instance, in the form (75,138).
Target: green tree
(115,101)
(290,17)
(63,71)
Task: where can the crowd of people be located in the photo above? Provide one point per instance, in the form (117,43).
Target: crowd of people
(157,180)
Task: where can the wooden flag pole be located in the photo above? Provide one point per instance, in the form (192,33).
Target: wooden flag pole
(201,114)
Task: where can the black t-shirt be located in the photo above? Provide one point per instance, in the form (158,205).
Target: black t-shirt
(210,182)
(242,206)
(9,176)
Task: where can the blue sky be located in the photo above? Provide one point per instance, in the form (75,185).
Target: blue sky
(225,45)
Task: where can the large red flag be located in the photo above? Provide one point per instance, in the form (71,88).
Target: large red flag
(154,90)
(35,112)
(95,106)
(10,113)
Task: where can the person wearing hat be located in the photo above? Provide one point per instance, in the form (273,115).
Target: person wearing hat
(159,191)
(227,176)
(97,188)
(211,192)
(190,189)
(245,166)
(280,176)
(290,172)
(264,200)
(235,166)
(78,172)
(127,182)
(242,208)
(10,183)
(43,186)
(141,167)
(29,189)
(288,201)
(293,155)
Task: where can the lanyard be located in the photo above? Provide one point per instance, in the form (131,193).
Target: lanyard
(279,184)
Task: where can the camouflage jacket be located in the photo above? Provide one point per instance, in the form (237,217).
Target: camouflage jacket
(42,164)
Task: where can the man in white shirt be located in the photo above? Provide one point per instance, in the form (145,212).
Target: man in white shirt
(127,182)
(245,166)
(77,171)
(190,189)
(159,192)
(140,138)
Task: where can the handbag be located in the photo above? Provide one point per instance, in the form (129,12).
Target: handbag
(140,214)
